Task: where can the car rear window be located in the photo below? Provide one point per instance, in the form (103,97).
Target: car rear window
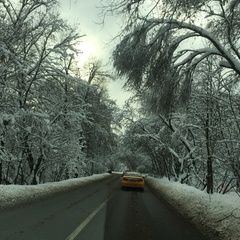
(132,174)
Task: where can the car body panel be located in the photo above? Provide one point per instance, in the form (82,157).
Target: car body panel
(132,180)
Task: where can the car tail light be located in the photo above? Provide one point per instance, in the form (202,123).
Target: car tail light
(132,179)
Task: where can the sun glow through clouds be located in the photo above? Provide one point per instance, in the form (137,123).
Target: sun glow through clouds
(87,50)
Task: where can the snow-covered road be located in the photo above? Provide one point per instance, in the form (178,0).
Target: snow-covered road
(218,214)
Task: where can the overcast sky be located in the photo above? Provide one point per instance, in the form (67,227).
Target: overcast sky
(98,38)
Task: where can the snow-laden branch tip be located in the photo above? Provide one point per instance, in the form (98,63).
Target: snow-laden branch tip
(177,25)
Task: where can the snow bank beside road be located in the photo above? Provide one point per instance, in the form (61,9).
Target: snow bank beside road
(12,195)
(217,215)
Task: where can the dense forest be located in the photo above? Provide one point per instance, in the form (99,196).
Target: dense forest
(179,59)
(54,123)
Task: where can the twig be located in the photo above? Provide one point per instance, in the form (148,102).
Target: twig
(229,216)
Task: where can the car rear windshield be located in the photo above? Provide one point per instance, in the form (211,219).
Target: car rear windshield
(132,174)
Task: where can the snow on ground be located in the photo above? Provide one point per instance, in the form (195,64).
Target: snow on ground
(12,195)
(216,214)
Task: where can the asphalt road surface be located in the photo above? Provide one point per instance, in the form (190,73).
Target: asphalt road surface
(99,211)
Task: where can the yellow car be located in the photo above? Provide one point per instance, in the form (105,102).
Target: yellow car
(132,180)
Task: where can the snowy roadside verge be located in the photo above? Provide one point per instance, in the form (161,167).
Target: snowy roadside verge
(216,215)
(15,195)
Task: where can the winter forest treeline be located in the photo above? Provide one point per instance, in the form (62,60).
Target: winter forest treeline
(54,123)
(179,59)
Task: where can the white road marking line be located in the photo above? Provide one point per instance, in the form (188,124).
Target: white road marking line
(73,235)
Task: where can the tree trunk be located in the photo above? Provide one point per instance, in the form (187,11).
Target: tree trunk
(209,159)
(209,175)
(1,162)
(1,175)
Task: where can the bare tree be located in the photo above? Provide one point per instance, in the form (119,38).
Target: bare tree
(33,41)
(160,48)
(163,44)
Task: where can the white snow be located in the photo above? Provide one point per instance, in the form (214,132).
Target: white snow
(217,214)
(12,195)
